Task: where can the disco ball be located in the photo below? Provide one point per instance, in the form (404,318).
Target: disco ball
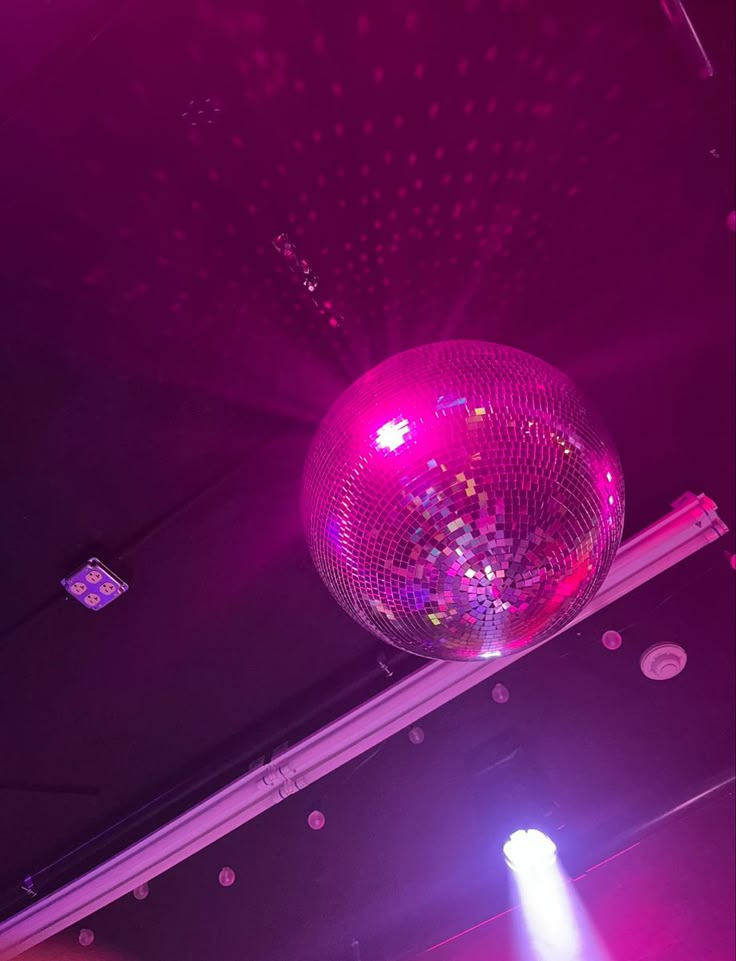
(460,500)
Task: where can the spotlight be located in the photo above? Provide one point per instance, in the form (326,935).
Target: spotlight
(528,851)
(554,925)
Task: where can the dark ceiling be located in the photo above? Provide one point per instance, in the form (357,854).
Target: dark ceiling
(557,179)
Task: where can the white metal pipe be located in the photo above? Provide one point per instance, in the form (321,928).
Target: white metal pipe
(692,524)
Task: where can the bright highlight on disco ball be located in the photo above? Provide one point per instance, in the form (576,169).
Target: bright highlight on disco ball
(461,501)
(529,850)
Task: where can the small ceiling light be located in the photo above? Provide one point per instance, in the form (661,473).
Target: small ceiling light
(660,662)
(612,640)
(316,820)
(529,850)
(141,892)
(416,735)
(500,693)
(86,937)
(226,877)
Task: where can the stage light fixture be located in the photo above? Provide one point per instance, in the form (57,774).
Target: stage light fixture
(529,851)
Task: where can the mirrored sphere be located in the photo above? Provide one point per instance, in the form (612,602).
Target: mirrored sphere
(461,501)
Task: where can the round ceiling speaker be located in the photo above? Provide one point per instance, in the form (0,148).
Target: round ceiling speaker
(461,501)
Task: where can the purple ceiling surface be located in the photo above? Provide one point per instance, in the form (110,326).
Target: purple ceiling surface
(558,180)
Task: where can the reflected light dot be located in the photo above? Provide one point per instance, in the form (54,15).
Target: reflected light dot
(226,877)
(416,735)
(316,820)
(141,892)
(86,937)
